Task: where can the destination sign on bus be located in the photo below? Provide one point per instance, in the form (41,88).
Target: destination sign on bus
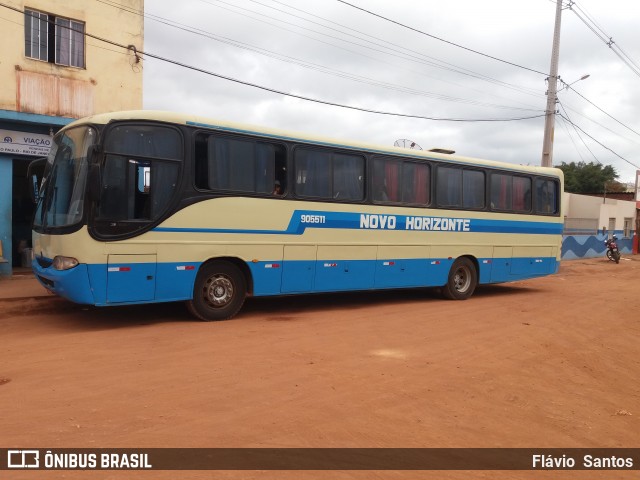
(438,224)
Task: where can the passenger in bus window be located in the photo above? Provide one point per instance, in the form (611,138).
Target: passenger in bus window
(380,192)
(277,188)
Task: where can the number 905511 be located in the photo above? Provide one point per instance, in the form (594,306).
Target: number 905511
(313,219)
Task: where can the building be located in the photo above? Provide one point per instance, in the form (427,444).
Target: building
(55,68)
(589,220)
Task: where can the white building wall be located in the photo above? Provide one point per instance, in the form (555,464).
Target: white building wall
(584,206)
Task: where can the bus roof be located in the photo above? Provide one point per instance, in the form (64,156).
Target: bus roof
(233,127)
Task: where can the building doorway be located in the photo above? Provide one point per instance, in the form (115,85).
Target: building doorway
(22,210)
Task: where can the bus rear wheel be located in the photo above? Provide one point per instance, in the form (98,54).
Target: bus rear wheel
(219,292)
(462,280)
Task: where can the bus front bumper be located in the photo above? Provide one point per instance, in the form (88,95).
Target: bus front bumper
(72,284)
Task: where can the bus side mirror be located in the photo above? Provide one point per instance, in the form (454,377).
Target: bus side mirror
(35,173)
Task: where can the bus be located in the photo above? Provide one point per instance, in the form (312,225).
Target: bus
(140,207)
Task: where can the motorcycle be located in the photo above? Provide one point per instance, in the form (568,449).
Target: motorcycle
(613,253)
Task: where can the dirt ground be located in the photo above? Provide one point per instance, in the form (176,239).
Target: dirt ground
(550,362)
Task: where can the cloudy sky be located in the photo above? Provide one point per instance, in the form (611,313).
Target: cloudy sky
(331,51)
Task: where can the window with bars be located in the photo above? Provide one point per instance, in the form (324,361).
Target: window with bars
(54,39)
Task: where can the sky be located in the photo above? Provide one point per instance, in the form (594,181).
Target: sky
(331,51)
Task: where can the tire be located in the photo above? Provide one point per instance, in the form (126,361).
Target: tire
(462,280)
(617,257)
(218,293)
(610,255)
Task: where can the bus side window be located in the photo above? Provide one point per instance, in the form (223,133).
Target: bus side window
(522,194)
(501,188)
(402,182)
(546,196)
(348,177)
(329,175)
(144,179)
(142,202)
(415,181)
(140,173)
(312,173)
(473,189)
(449,187)
(245,165)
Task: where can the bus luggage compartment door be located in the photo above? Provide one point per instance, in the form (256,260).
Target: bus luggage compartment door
(532,261)
(298,268)
(131,278)
(403,266)
(347,267)
(501,264)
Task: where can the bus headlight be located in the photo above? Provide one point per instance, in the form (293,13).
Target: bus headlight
(64,263)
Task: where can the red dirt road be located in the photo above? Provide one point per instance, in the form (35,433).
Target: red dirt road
(551,362)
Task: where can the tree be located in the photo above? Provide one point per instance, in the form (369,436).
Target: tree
(591,177)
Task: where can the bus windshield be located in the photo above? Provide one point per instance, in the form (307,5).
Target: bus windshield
(62,193)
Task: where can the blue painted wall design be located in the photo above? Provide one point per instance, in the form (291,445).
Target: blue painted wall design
(590,246)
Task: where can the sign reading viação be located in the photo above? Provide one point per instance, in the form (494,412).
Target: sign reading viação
(23,143)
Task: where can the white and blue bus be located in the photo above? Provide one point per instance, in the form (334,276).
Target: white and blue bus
(141,207)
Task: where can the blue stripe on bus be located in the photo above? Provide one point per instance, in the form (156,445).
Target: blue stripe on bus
(301,220)
(95,284)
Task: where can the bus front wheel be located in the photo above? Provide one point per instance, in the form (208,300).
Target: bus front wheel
(219,292)
(462,280)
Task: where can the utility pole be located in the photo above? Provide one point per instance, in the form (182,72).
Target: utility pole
(550,113)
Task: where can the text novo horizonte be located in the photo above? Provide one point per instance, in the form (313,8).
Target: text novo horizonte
(437,224)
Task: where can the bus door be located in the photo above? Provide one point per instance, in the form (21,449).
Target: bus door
(298,268)
(131,278)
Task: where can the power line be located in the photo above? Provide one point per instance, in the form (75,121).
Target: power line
(604,127)
(401,55)
(599,143)
(330,71)
(607,114)
(325,102)
(201,70)
(564,124)
(307,64)
(606,39)
(280,92)
(456,68)
(577,133)
(442,39)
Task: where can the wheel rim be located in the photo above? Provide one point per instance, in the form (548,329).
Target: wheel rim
(218,291)
(462,279)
